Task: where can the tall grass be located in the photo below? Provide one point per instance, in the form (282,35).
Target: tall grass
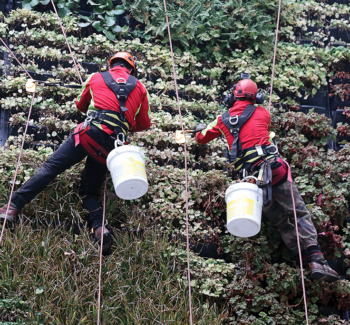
(50,276)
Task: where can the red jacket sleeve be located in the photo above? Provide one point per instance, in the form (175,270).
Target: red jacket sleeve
(83,100)
(142,117)
(210,133)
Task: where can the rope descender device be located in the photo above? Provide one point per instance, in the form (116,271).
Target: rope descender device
(180,136)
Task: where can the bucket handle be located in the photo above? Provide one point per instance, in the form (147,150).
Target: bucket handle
(248,177)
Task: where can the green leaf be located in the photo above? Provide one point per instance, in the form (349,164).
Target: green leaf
(34,3)
(110,21)
(70,5)
(109,34)
(45,2)
(116,12)
(84,24)
(86,18)
(39,291)
(98,11)
(63,11)
(97,26)
(26,4)
(117,29)
(92,3)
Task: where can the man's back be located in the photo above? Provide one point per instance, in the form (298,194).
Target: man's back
(254,132)
(97,95)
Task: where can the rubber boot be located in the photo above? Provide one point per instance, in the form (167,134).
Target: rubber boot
(107,239)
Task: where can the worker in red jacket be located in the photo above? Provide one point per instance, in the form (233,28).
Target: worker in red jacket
(246,129)
(115,103)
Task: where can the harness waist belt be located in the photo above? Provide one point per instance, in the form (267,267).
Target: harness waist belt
(111,119)
(254,154)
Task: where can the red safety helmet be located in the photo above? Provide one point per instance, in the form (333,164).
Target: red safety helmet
(245,88)
(125,56)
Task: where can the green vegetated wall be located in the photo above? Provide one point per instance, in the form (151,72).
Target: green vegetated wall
(49,276)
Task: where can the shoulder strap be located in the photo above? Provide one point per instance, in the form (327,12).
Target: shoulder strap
(234,124)
(121,89)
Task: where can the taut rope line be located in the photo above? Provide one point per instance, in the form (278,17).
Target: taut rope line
(185,153)
(17,167)
(274,53)
(290,180)
(101,244)
(20,152)
(64,34)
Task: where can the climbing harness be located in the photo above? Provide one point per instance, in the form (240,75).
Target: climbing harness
(244,159)
(121,88)
(115,121)
(109,118)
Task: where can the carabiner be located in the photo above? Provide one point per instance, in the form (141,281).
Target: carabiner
(119,142)
(273,146)
(88,118)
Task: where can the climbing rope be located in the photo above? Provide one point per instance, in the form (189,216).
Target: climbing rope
(104,192)
(16,58)
(20,152)
(274,53)
(101,244)
(185,153)
(65,36)
(290,180)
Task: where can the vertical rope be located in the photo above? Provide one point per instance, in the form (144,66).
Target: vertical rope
(186,178)
(16,58)
(64,34)
(101,245)
(274,54)
(17,167)
(290,180)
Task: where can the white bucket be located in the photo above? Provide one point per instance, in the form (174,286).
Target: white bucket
(126,164)
(244,205)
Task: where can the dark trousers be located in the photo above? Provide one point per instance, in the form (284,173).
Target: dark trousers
(66,156)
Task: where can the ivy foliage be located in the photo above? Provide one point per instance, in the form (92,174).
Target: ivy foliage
(207,26)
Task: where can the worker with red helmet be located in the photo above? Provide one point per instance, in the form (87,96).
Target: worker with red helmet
(115,103)
(253,153)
